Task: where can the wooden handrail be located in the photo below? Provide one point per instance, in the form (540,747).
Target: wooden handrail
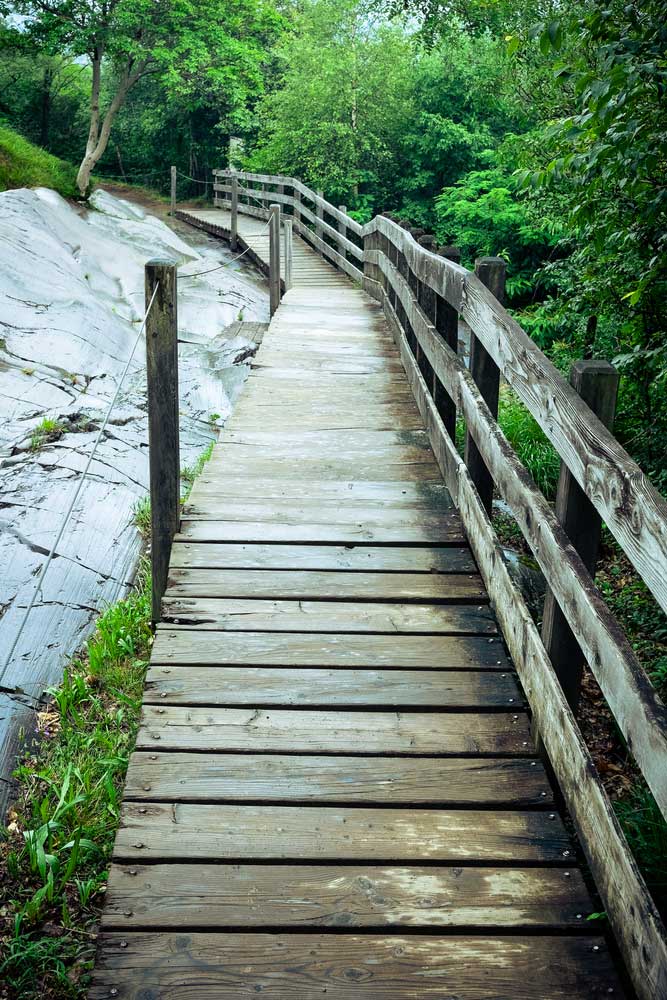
(422,294)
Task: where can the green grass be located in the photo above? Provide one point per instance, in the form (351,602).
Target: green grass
(60,836)
(529,442)
(646,832)
(47,431)
(22,164)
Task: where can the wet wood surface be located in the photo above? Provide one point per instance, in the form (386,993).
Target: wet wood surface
(333,736)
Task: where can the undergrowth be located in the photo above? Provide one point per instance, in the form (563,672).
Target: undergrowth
(45,432)
(61,828)
(22,164)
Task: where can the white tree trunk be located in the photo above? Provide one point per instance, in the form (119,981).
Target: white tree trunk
(98,136)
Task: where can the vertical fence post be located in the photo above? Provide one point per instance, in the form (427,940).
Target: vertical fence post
(297,206)
(491,272)
(173,192)
(447,325)
(319,212)
(597,384)
(342,229)
(234,199)
(163,436)
(274,258)
(371,241)
(289,250)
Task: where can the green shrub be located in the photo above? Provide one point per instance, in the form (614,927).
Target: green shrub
(23,164)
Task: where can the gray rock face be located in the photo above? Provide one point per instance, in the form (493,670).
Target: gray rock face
(71,305)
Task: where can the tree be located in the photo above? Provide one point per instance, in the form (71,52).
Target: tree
(186,46)
(342,104)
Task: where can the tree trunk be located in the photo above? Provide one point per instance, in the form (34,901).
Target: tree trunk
(98,135)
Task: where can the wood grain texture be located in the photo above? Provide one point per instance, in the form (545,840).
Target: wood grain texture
(327,650)
(409,559)
(303,585)
(219,897)
(330,731)
(153,831)
(232,966)
(214,777)
(353,533)
(289,687)
(212,614)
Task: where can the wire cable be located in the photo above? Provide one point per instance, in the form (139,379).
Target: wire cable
(227,263)
(75,497)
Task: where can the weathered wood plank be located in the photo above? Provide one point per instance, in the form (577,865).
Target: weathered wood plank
(337,833)
(417,967)
(328,650)
(434,521)
(351,491)
(632,508)
(300,731)
(219,897)
(204,530)
(304,585)
(313,687)
(453,781)
(323,616)
(407,559)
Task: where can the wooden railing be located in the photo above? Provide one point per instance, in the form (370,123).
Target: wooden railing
(423,294)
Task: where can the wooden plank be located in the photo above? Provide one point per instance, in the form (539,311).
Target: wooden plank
(334,468)
(329,650)
(291,417)
(304,585)
(218,897)
(300,731)
(210,508)
(308,966)
(351,491)
(319,688)
(165,831)
(412,559)
(453,781)
(205,530)
(323,616)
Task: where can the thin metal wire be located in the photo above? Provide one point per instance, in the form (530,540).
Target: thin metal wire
(195,179)
(75,497)
(198,274)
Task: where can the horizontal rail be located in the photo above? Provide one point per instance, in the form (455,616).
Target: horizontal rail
(631,910)
(633,510)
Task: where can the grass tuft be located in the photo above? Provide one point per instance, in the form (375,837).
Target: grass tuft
(61,829)
(47,431)
(22,164)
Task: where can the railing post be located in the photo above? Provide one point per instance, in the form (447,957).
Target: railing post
(163,433)
(297,206)
(274,258)
(342,229)
(289,249)
(371,242)
(491,272)
(597,384)
(234,199)
(173,192)
(447,324)
(319,212)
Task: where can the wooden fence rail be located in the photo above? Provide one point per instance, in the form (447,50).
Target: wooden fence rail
(423,294)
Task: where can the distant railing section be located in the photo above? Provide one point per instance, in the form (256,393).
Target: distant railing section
(423,295)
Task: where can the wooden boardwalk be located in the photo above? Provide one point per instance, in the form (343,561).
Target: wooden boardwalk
(334,790)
